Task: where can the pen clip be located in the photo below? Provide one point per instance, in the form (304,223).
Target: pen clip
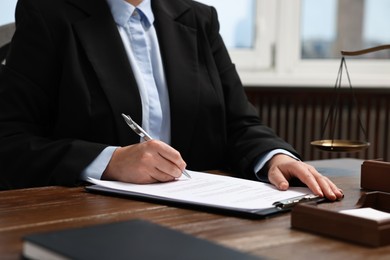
(289,203)
(136,128)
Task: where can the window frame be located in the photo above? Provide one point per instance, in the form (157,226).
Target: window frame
(282,64)
(261,56)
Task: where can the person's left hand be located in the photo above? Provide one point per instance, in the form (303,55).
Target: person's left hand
(282,168)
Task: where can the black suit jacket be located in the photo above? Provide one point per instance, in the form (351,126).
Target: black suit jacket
(68,79)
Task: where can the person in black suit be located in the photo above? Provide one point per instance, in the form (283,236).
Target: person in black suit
(68,78)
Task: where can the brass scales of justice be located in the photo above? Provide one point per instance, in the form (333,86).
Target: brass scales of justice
(341,145)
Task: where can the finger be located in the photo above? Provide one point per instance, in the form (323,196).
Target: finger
(150,174)
(170,154)
(276,177)
(338,192)
(166,167)
(160,176)
(325,187)
(329,189)
(313,180)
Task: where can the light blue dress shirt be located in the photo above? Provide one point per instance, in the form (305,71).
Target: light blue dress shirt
(153,91)
(155,100)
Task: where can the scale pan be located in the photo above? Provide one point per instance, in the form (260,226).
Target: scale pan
(340,145)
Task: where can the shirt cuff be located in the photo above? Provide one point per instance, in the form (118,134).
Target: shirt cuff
(264,159)
(96,168)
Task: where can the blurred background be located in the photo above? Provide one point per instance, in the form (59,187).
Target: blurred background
(287,53)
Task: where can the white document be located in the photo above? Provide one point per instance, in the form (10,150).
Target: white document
(211,190)
(368,213)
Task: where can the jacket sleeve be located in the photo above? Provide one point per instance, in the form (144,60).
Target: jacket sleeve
(247,137)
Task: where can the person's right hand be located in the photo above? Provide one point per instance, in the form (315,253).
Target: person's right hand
(146,162)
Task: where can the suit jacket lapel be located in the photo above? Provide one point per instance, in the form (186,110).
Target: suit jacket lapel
(175,26)
(102,43)
(175,23)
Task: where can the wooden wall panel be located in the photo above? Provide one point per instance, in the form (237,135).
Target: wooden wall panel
(299,114)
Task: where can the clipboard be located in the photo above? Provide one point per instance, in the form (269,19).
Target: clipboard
(277,208)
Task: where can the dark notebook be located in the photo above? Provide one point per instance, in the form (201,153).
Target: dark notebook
(135,239)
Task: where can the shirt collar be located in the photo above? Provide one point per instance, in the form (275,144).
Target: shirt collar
(122,10)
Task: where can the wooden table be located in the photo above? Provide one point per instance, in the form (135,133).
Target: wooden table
(34,210)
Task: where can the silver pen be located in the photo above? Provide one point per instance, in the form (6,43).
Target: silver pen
(143,134)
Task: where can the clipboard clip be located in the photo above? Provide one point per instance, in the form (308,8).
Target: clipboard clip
(289,203)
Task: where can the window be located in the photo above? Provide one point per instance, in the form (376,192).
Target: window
(7,8)
(237,22)
(243,28)
(328,26)
(298,42)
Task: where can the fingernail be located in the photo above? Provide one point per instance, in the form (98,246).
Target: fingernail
(283,185)
(342,193)
(332,195)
